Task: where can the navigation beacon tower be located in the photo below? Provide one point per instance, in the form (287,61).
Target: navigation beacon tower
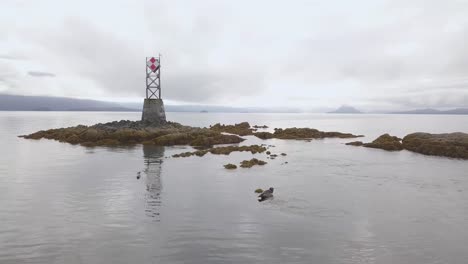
(153,107)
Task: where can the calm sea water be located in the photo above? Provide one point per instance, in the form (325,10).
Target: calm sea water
(333,203)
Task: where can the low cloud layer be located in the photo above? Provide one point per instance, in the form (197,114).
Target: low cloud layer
(41,74)
(372,54)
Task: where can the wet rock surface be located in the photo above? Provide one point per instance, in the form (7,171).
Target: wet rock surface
(259,190)
(133,132)
(453,145)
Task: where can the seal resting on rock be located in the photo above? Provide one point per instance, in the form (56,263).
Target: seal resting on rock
(266,195)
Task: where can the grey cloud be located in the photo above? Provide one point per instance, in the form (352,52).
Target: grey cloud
(376,53)
(41,74)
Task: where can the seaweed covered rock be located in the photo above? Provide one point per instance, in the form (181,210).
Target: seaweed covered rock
(199,153)
(251,163)
(259,190)
(302,133)
(230,166)
(241,129)
(386,142)
(264,135)
(254,149)
(133,132)
(223,150)
(453,145)
(256,126)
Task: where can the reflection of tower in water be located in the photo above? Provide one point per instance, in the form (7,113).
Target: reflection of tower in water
(153,157)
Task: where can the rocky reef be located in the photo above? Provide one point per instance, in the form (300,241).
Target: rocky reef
(132,132)
(251,163)
(222,151)
(302,133)
(453,145)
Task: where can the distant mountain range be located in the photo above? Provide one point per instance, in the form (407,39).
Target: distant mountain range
(345,109)
(48,103)
(430,111)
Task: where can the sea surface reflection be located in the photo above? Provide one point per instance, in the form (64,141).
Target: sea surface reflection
(153,157)
(333,203)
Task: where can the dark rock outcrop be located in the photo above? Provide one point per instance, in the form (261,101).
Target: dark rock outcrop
(453,145)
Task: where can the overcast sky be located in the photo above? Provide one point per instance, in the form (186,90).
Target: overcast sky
(372,54)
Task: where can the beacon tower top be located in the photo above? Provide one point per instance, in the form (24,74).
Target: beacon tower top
(153,107)
(153,77)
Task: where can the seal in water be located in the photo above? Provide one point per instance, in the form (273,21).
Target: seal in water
(266,195)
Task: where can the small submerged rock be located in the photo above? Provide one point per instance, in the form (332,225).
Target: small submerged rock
(259,190)
(230,166)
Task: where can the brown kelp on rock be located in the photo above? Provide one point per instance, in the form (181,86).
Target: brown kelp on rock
(132,132)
